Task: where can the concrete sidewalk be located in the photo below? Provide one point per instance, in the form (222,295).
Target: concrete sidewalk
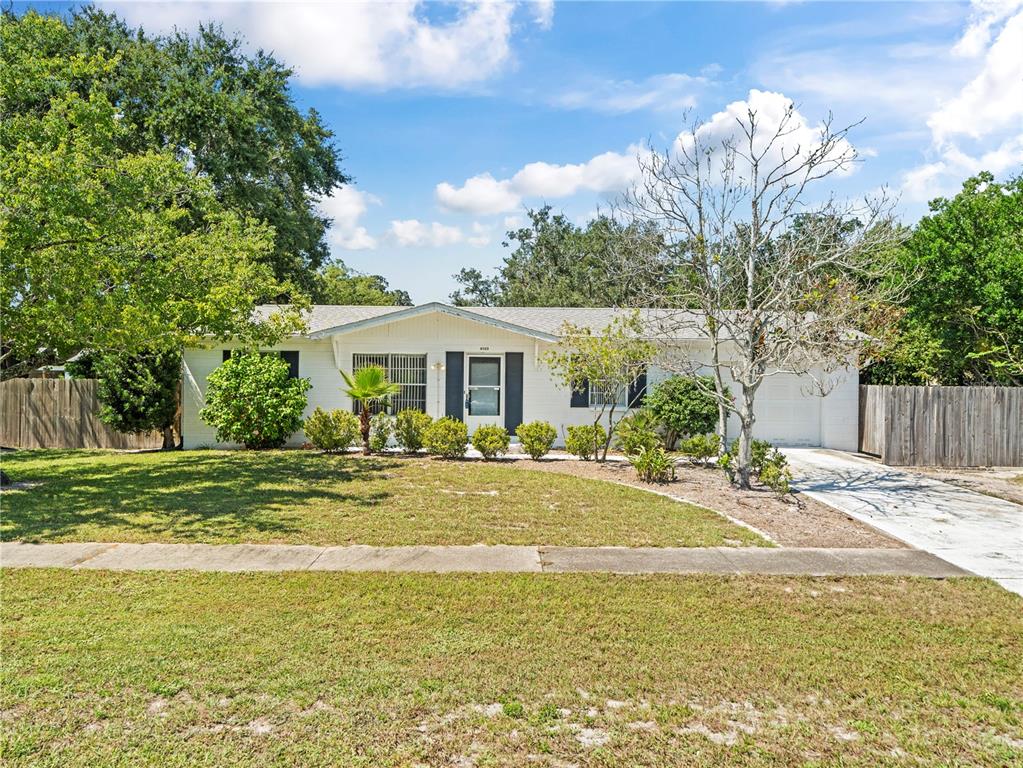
(478,559)
(979,533)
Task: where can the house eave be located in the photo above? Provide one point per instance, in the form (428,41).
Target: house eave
(425,309)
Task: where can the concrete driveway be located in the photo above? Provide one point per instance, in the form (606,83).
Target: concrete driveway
(979,533)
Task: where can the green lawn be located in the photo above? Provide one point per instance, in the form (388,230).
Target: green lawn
(161,669)
(310,498)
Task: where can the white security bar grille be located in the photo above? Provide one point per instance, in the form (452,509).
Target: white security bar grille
(407,370)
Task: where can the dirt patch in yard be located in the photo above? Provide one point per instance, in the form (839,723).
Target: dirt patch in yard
(796,521)
(1000,482)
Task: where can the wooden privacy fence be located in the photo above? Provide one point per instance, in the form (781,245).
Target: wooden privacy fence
(59,413)
(943,426)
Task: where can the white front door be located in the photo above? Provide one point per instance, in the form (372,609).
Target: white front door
(484,393)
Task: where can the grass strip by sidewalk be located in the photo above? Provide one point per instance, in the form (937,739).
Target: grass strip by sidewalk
(302,497)
(106,668)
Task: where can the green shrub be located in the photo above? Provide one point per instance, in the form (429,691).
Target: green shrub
(683,406)
(490,440)
(758,453)
(331,431)
(767,464)
(250,399)
(776,475)
(700,448)
(446,437)
(585,440)
(654,465)
(409,427)
(380,428)
(537,438)
(637,432)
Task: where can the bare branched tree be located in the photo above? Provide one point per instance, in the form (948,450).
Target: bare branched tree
(770,277)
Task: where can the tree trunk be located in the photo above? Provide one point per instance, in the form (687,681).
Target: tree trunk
(746,419)
(168,439)
(364,428)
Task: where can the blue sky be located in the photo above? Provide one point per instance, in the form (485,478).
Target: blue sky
(453,119)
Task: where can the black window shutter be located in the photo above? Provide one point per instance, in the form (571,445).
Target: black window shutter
(454,364)
(512,391)
(291,358)
(637,390)
(581,396)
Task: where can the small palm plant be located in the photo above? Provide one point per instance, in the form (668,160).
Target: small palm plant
(369,386)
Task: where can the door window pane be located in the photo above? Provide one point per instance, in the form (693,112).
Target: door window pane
(484,401)
(485,372)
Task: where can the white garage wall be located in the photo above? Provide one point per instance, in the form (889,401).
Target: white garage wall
(787,412)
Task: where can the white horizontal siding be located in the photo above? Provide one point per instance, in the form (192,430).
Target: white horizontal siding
(788,413)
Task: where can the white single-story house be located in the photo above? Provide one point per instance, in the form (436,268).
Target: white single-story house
(484,365)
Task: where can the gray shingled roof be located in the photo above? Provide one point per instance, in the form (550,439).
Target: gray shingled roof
(543,320)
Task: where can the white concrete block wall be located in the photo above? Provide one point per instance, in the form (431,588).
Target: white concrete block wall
(787,412)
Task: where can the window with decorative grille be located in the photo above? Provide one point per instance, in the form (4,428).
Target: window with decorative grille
(408,371)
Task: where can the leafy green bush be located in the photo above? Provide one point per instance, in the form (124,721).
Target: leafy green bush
(250,399)
(138,393)
(446,437)
(767,463)
(490,440)
(381,426)
(776,475)
(654,465)
(637,432)
(409,427)
(585,440)
(759,450)
(700,448)
(331,431)
(537,438)
(683,406)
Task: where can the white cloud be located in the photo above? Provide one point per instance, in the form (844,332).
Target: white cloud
(367,44)
(981,127)
(480,235)
(346,207)
(774,114)
(985,14)
(483,194)
(993,100)
(659,92)
(543,13)
(412,232)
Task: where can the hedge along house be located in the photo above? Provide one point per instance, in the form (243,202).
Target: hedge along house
(484,365)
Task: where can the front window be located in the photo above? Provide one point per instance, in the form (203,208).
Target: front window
(408,371)
(608,394)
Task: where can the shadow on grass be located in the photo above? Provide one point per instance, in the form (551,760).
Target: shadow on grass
(195,495)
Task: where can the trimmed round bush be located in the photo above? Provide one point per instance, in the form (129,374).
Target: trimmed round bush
(446,437)
(537,438)
(490,440)
(409,429)
(585,440)
(332,431)
(250,399)
(683,407)
(380,428)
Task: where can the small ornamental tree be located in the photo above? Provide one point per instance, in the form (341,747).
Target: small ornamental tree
(369,387)
(606,364)
(684,406)
(251,400)
(139,393)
